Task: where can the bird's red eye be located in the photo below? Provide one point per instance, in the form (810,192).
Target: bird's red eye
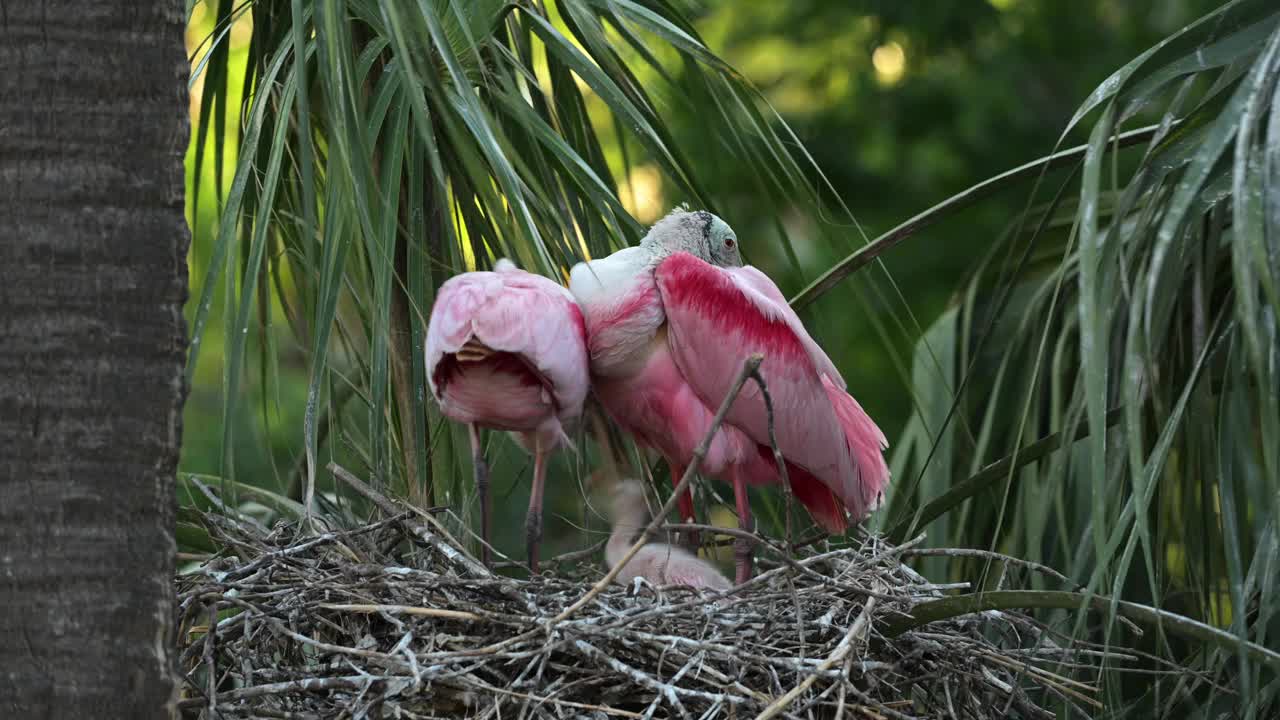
(728,242)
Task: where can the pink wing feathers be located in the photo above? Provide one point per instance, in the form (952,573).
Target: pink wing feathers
(716,318)
(516,312)
(866,442)
(774,306)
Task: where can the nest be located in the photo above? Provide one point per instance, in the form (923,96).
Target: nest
(394,619)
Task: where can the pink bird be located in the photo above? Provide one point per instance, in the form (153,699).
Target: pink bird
(670,323)
(659,563)
(507,350)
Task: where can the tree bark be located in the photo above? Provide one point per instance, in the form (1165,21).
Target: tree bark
(93,248)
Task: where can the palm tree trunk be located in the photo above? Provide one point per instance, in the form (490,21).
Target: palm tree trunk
(93,127)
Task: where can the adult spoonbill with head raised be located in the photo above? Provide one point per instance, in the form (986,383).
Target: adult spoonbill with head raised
(507,350)
(669,324)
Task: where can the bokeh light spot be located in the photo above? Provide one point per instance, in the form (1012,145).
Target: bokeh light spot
(641,193)
(890,62)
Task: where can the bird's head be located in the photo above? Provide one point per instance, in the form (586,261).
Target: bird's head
(698,233)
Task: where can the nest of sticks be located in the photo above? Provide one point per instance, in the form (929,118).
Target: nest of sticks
(395,619)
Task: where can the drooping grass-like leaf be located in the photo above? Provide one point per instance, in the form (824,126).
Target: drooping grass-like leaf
(1157,309)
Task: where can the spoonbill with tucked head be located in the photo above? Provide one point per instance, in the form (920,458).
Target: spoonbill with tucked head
(506,350)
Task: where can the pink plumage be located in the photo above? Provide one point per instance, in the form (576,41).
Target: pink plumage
(659,563)
(507,350)
(819,426)
(534,377)
(668,332)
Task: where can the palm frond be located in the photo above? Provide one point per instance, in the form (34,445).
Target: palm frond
(387,146)
(1122,369)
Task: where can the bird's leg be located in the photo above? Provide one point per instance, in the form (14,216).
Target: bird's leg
(533,521)
(685,503)
(481,470)
(742,547)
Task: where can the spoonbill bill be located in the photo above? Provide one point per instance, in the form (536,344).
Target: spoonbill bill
(506,350)
(670,322)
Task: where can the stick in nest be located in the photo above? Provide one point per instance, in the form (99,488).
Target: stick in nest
(316,631)
(313,632)
(650,532)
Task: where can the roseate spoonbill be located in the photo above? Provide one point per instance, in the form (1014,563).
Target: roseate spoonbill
(507,350)
(659,563)
(669,324)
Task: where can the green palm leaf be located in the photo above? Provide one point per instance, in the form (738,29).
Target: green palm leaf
(1150,343)
(387,146)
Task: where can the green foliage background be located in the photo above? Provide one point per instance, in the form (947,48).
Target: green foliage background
(986,86)
(1159,326)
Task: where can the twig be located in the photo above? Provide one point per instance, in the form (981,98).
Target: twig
(781,462)
(837,656)
(387,506)
(748,367)
(1065,682)
(568,557)
(282,688)
(211,691)
(563,703)
(405,610)
(647,681)
(986,554)
(782,555)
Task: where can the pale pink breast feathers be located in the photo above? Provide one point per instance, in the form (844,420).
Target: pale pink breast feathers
(507,349)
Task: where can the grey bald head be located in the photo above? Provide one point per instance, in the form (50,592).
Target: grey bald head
(698,233)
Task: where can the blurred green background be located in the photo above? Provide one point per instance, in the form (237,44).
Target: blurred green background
(901,104)
(1139,319)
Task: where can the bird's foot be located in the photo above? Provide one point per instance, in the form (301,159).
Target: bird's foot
(533,537)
